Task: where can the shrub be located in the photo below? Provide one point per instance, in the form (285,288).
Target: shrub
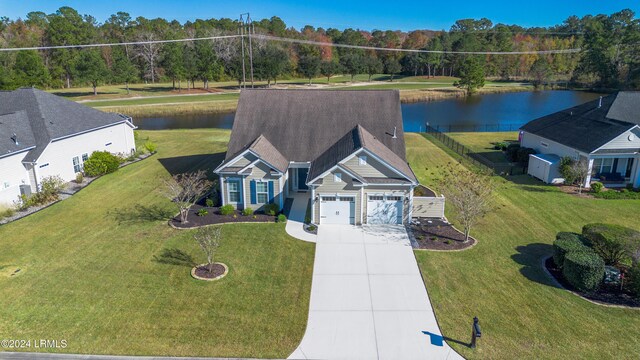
(150,146)
(209,202)
(50,188)
(584,270)
(566,170)
(312,228)
(611,242)
(271,209)
(79,178)
(522,155)
(282,218)
(247,211)
(101,163)
(634,280)
(512,151)
(202,212)
(6,211)
(564,244)
(597,187)
(502,145)
(226,210)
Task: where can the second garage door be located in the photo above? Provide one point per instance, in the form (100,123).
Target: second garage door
(337,210)
(384,209)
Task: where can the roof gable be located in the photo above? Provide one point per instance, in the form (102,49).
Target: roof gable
(302,124)
(585,127)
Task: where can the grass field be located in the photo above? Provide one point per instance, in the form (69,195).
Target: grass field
(88,275)
(482,143)
(523,316)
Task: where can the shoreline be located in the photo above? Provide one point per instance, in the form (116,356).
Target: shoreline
(227,106)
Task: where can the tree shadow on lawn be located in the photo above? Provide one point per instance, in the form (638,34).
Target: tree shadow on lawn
(174,256)
(141,213)
(530,256)
(83,93)
(182,164)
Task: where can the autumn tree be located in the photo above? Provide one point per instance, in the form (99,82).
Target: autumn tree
(185,190)
(469,192)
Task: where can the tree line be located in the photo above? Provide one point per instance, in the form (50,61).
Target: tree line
(610,56)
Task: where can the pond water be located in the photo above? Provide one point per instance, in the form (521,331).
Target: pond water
(490,112)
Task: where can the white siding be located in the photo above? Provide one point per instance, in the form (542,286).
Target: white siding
(623,142)
(13,174)
(59,154)
(535,142)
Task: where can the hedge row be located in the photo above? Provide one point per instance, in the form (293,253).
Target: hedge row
(566,242)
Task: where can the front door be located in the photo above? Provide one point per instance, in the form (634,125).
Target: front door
(302,178)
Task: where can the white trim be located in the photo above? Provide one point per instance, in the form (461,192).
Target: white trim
(313,205)
(222,190)
(240,190)
(410,204)
(361,204)
(299,164)
(280,192)
(250,165)
(244,193)
(634,127)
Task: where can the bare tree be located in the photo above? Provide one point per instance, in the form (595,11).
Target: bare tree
(186,189)
(469,192)
(209,240)
(580,171)
(150,53)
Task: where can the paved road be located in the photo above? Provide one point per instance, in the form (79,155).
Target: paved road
(368,300)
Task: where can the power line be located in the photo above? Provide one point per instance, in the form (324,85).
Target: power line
(298,41)
(311,42)
(120,44)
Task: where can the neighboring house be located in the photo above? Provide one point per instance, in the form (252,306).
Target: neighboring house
(604,132)
(344,150)
(42,135)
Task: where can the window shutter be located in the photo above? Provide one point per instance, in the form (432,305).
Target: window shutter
(240,192)
(253,192)
(271,192)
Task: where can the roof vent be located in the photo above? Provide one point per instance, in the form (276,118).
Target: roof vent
(14,137)
(394,133)
(600,103)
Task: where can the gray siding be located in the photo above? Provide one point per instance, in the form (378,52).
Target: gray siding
(245,160)
(428,207)
(260,171)
(373,168)
(330,187)
(622,141)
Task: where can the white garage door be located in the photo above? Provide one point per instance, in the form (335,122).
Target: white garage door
(384,209)
(337,210)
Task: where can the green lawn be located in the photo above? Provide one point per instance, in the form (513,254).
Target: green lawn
(88,273)
(160,100)
(482,143)
(523,316)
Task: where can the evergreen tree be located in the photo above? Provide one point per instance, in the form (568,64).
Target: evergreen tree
(471,75)
(90,67)
(29,70)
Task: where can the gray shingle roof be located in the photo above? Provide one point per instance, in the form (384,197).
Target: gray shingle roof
(302,124)
(47,117)
(356,139)
(10,125)
(589,126)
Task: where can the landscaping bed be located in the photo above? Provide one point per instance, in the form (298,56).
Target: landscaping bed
(606,294)
(214,217)
(438,235)
(201,272)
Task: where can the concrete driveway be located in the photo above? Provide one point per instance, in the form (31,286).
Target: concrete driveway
(368,300)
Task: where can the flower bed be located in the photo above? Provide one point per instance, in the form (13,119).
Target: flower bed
(214,217)
(438,235)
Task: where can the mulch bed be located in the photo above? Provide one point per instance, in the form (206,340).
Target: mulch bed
(574,190)
(203,271)
(214,217)
(439,235)
(605,294)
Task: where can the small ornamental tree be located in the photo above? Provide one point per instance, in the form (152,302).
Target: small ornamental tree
(208,238)
(574,172)
(186,189)
(469,192)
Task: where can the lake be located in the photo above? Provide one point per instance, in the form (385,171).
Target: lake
(490,112)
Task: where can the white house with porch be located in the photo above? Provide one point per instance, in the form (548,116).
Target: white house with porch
(604,132)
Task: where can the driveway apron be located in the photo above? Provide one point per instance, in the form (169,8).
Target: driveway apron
(368,300)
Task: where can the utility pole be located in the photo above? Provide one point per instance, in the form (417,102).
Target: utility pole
(246,29)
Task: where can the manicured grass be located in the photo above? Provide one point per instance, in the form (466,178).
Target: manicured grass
(159,100)
(482,143)
(500,280)
(88,273)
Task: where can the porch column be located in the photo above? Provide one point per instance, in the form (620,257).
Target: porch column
(313,204)
(636,171)
(410,204)
(244,194)
(281,190)
(587,181)
(222,189)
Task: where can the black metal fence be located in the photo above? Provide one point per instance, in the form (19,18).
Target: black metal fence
(476,159)
(477,127)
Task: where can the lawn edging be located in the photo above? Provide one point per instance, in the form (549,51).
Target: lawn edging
(65,194)
(195,276)
(416,246)
(544,259)
(225,223)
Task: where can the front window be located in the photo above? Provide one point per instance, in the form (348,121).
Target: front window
(233,187)
(85,157)
(262,192)
(602,166)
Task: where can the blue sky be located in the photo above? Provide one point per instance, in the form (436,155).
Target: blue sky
(367,15)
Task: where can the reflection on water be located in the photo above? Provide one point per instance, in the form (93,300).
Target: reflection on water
(491,112)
